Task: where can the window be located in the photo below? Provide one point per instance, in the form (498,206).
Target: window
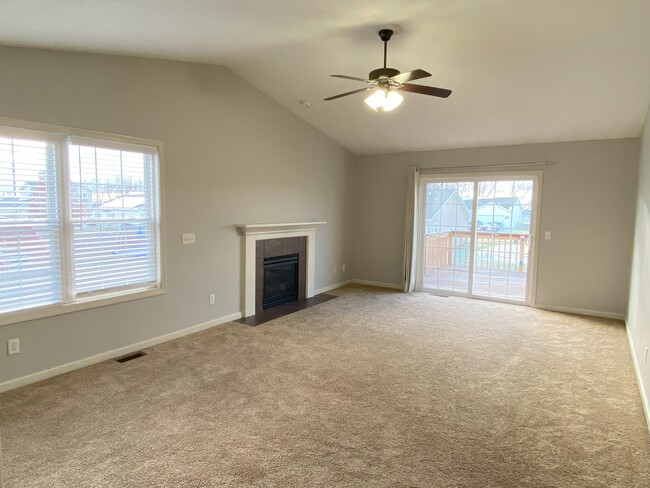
(30,225)
(79,221)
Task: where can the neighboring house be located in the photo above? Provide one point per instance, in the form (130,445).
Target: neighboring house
(505,212)
(124,206)
(82,201)
(12,207)
(30,201)
(446,211)
(525,218)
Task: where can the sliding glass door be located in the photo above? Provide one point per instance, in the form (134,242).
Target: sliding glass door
(475,236)
(447,235)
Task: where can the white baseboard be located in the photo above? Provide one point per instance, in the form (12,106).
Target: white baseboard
(98,358)
(377,283)
(637,369)
(359,282)
(332,287)
(580,311)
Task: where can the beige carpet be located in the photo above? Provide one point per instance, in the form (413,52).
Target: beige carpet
(373,389)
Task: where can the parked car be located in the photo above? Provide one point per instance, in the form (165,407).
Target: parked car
(489,227)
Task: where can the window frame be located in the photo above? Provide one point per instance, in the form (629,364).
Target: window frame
(63,136)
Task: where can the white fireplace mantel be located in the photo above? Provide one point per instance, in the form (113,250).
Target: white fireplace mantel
(245,229)
(258,232)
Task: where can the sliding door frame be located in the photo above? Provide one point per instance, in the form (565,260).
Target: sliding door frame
(477,177)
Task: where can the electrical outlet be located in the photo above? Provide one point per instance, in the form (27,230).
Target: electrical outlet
(213,298)
(189,238)
(13,346)
(342,267)
(336,269)
(547,235)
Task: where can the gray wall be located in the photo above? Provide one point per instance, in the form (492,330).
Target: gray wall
(232,155)
(588,204)
(638,319)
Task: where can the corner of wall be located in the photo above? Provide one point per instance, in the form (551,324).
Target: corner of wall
(638,313)
(645,400)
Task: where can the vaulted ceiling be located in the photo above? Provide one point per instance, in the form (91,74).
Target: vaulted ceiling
(521,70)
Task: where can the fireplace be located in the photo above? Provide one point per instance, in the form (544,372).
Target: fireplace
(281,282)
(271,240)
(280,271)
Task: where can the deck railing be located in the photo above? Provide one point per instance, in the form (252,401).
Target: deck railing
(504,252)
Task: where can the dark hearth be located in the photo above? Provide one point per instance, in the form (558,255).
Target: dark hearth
(289,308)
(280,280)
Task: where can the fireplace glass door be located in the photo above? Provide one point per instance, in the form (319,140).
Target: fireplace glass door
(280,280)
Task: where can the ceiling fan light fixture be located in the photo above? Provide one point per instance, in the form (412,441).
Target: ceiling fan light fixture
(383,100)
(385,84)
(393,100)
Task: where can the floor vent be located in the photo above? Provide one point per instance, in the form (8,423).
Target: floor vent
(130,357)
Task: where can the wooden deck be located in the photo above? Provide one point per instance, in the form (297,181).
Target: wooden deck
(506,285)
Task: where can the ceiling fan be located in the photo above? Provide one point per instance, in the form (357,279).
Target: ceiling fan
(387,82)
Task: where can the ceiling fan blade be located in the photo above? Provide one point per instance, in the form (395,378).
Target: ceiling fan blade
(347,93)
(416,74)
(345,77)
(426,90)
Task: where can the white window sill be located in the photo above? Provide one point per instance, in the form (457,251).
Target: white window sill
(59,309)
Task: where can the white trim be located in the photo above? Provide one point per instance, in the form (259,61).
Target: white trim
(104,142)
(379,284)
(534,226)
(67,229)
(29,125)
(98,358)
(162,215)
(459,294)
(61,308)
(637,369)
(472,243)
(549,308)
(420,233)
(581,311)
(246,229)
(445,169)
(333,287)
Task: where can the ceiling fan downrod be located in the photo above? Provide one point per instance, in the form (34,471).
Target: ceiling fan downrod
(385,35)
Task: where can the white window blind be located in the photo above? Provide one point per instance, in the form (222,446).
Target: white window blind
(79,220)
(30,226)
(113,203)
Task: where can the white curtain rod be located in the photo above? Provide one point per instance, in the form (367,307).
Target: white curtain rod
(507,165)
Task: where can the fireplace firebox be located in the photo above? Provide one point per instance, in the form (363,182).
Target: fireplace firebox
(281,280)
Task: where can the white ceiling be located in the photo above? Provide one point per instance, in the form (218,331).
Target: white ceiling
(521,70)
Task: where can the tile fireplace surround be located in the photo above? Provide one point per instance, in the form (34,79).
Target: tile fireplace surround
(279,248)
(253,233)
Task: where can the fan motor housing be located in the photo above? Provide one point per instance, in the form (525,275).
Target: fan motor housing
(375,74)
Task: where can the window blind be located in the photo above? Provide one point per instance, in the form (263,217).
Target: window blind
(79,220)
(114,218)
(30,224)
